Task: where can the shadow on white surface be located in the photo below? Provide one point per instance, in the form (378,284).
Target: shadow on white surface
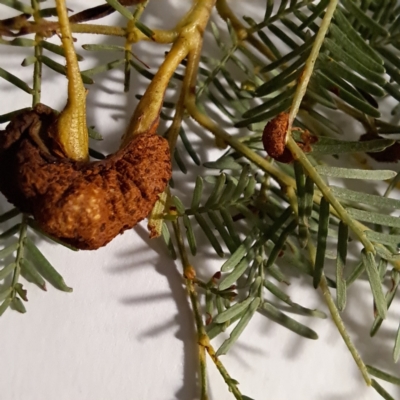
(183,320)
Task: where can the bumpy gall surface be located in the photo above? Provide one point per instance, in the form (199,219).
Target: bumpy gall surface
(274,139)
(83,204)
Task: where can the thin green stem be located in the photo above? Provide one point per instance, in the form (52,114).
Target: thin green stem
(47,29)
(205,121)
(337,319)
(309,68)
(159,36)
(146,116)
(242,33)
(37,69)
(72,130)
(342,329)
(131,37)
(203,339)
(20,253)
(193,59)
(37,72)
(222,370)
(284,180)
(189,275)
(98,29)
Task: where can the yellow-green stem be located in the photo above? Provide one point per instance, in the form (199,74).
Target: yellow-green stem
(309,68)
(337,319)
(203,339)
(20,252)
(47,29)
(146,115)
(156,216)
(72,130)
(131,37)
(242,32)
(187,85)
(37,69)
(342,329)
(189,274)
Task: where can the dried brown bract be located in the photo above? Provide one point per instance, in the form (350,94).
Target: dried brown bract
(83,204)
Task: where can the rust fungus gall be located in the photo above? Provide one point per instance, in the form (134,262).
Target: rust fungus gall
(274,139)
(85,204)
(274,135)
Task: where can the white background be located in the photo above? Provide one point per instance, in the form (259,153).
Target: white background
(126,331)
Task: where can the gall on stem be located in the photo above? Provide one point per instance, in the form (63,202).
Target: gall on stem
(45,156)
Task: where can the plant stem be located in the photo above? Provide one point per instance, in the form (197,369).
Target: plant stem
(72,130)
(47,28)
(357,228)
(338,320)
(190,76)
(189,84)
(37,69)
(342,329)
(131,37)
(128,55)
(146,116)
(97,29)
(203,339)
(159,35)
(242,32)
(285,180)
(190,274)
(312,58)
(20,253)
